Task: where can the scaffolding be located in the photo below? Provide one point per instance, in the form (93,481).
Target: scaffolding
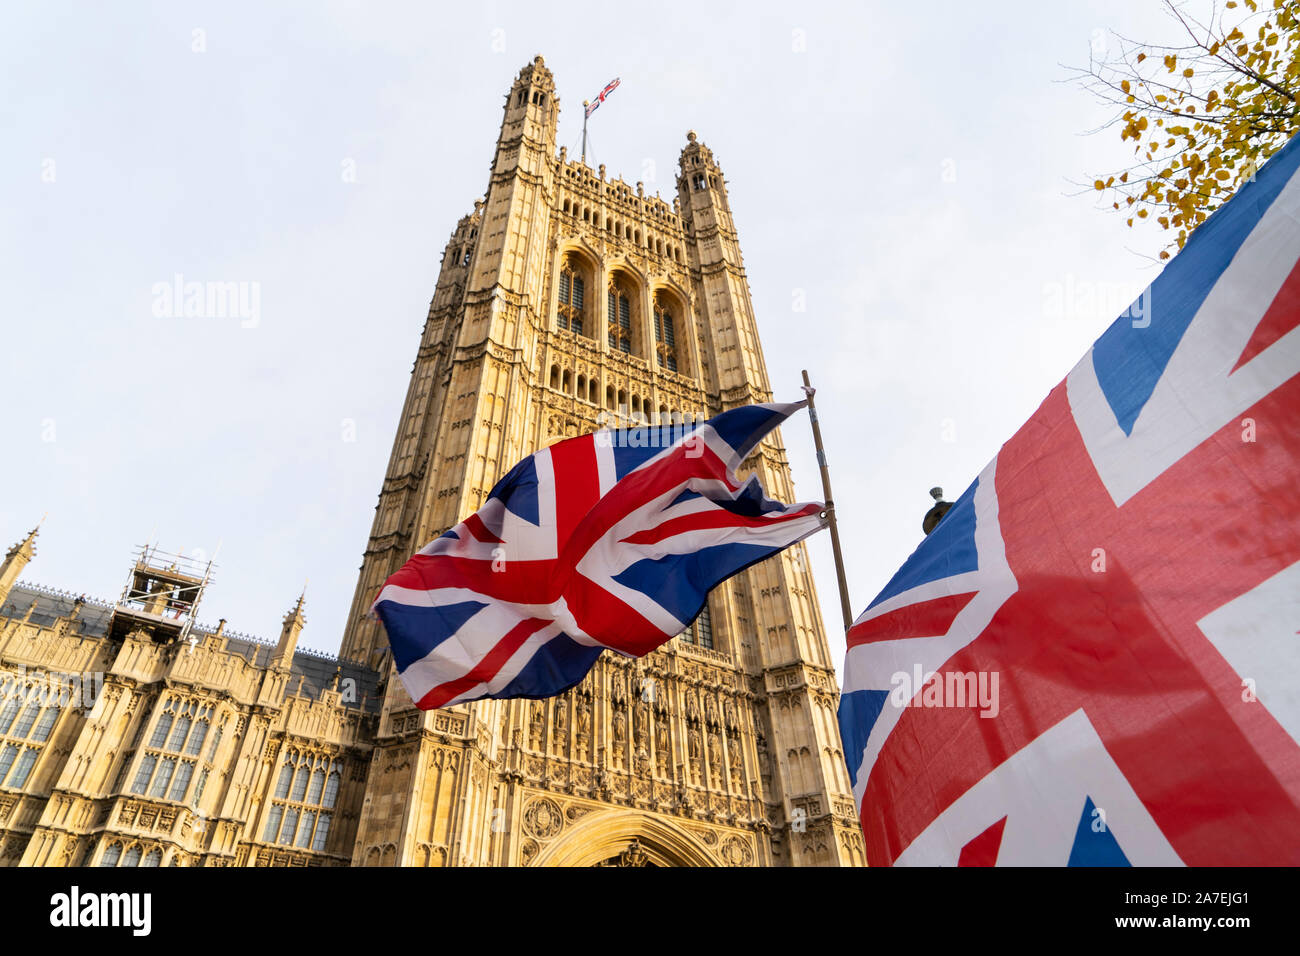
(161,595)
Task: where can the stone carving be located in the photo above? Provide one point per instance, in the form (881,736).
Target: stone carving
(537,725)
(528,851)
(634,855)
(735,756)
(543,819)
(561,716)
(736,852)
(584,717)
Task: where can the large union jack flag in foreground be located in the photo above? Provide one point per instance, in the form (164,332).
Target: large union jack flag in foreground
(610,540)
(1126,576)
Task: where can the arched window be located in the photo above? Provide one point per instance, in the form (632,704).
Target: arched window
(182,781)
(322,832)
(7,756)
(180,733)
(593,392)
(317,785)
(568,381)
(300,782)
(273,823)
(197,736)
(304,831)
(161,730)
(290,828)
(572,297)
(331,791)
(609,397)
(665,335)
(46,723)
(163,777)
(620,317)
(700,633)
(132,857)
(144,773)
(286,777)
(7,713)
(112,855)
(582,386)
(22,768)
(153,858)
(555,377)
(26,720)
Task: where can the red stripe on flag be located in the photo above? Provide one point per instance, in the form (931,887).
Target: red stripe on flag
(927,619)
(474,524)
(720,518)
(1282,316)
(487,668)
(983,850)
(577,484)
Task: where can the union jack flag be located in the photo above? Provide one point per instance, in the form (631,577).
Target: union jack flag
(611,540)
(1129,567)
(600,98)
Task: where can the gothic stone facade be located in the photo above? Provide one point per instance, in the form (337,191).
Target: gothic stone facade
(565,298)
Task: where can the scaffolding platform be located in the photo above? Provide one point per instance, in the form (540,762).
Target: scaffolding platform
(161,595)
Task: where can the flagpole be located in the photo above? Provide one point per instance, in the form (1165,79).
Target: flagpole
(585,104)
(845,606)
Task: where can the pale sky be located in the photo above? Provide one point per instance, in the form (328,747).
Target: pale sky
(908,171)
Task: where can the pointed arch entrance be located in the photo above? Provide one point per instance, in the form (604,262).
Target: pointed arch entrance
(621,838)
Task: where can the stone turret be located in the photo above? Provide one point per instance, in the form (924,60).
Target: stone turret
(289,631)
(15,560)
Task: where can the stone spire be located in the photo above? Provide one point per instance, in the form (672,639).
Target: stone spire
(293,623)
(15,560)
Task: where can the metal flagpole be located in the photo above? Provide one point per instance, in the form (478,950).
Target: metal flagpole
(585,113)
(845,606)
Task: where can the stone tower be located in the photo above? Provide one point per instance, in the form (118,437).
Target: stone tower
(563,298)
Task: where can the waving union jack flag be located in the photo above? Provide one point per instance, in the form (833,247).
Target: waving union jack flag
(600,97)
(610,540)
(1129,567)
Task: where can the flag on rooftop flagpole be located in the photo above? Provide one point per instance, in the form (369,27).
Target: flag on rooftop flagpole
(1110,611)
(594,105)
(610,540)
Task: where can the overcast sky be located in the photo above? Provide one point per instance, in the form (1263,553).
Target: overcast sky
(907,171)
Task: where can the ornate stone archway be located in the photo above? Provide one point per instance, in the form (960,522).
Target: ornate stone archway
(625,838)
